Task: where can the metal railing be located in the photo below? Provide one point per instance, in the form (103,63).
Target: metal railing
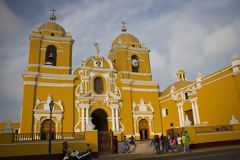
(42,136)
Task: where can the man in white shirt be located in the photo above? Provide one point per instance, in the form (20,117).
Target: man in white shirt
(179,144)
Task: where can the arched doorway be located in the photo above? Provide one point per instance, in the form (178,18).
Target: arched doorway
(143,129)
(99,119)
(45,126)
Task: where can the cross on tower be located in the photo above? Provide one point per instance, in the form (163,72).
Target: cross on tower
(123,23)
(53,17)
(124,29)
(53,10)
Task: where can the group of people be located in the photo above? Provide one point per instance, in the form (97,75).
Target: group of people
(128,142)
(165,143)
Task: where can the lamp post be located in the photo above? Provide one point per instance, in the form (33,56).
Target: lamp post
(51,104)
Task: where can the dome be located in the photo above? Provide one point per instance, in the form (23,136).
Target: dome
(126,39)
(177,85)
(52,27)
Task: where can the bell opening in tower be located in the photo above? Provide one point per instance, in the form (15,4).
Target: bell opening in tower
(51,56)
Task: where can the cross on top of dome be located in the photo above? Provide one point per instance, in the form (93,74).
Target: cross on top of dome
(53,17)
(124,29)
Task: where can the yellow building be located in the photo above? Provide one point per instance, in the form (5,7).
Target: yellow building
(213,100)
(117,92)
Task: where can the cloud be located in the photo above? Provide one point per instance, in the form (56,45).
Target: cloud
(222,40)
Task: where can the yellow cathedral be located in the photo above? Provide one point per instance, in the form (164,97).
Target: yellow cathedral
(116,93)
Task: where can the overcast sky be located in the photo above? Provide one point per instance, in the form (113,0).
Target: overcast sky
(197,36)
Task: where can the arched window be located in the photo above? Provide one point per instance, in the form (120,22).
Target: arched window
(51,55)
(98,85)
(135,63)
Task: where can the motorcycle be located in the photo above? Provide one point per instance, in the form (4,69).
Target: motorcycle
(75,155)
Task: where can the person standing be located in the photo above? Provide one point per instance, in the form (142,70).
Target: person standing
(64,148)
(125,144)
(157,142)
(184,142)
(161,141)
(179,144)
(172,144)
(187,141)
(165,143)
(115,142)
(186,134)
(153,144)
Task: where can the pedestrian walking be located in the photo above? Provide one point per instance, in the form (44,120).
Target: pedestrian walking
(172,143)
(179,143)
(157,142)
(184,142)
(153,144)
(187,141)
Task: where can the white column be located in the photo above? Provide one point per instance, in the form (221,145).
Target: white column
(117,120)
(135,122)
(181,110)
(197,113)
(194,115)
(180,116)
(83,120)
(87,115)
(113,120)
(150,125)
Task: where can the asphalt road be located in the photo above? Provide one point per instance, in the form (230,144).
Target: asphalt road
(229,153)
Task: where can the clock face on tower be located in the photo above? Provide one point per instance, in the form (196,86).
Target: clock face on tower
(135,63)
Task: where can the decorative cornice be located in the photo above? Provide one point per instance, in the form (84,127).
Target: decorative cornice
(135,73)
(137,82)
(49,76)
(49,66)
(45,37)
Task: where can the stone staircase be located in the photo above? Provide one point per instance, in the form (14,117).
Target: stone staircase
(142,147)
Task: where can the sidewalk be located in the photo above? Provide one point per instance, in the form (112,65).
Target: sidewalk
(128,156)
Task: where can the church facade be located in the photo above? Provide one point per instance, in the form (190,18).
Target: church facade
(117,92)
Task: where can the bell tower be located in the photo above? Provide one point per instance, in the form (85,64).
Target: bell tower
(130,57)
(48,78)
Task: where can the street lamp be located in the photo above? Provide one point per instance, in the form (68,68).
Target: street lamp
(51,104)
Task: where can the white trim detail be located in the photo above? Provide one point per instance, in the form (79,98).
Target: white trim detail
(140,89)
(48,84)
(137,82)
(49,66)
(136,73)
(52,76)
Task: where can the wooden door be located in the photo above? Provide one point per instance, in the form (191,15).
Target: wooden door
(143,129)
(105,142)
(45,126)
(189,113)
